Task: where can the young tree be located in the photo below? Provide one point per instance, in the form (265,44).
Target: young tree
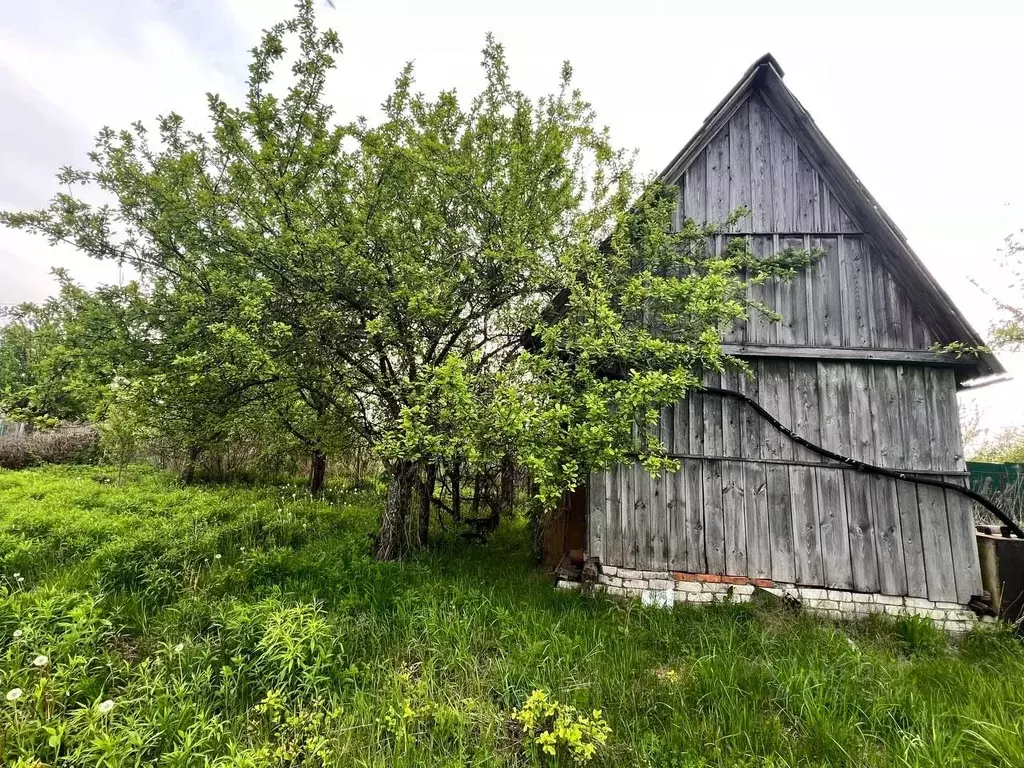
(463,280)
(1008,332)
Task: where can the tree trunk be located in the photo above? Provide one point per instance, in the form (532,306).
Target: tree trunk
(508,488)
(456,491)
(476,496)
(426,494)
(317,473)
(359,467)
(188,472)
(391,541)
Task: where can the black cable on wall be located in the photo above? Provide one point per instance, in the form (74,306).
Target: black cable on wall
(862,466)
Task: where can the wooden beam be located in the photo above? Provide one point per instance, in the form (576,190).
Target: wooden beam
(847,353)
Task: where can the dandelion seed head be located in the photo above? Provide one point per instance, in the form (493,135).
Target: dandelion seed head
(14,694)
(179,648)
(18,633)
(105,706)
(40,661)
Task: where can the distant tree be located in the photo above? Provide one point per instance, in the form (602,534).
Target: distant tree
(1005,447)
(462,280)
(1008,331)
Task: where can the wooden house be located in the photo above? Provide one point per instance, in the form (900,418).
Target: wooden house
(850,367)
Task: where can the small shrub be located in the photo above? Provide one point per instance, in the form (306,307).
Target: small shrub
(71,445)
(555,728)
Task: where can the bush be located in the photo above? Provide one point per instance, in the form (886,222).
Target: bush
(70,445)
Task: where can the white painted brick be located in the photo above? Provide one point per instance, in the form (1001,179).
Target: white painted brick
(615,591)
(655,574)
(742,590)
(700,597)
(634,583)
(611,581)
(626,573)
(894,610)
(895,600)
(948,606)
(659,597)
(918,602)
(609,570)
(688,586)
(838,595)
(715,588)
(661,584)
(568,585)
(859,597)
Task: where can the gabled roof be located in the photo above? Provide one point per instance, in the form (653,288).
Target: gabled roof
(934,304)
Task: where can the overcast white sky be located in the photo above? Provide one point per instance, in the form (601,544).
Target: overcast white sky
(923,103)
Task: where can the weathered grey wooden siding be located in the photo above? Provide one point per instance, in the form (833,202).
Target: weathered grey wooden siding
(748,501)
(848,299)
(754,161)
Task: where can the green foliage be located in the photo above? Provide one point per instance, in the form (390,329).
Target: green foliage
(1008,332)
(474,278)
(556,728)
(295,647)
(1005,447)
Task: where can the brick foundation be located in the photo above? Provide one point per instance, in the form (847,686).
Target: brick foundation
(665,588)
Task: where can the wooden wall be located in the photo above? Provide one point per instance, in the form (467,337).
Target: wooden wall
(747,501)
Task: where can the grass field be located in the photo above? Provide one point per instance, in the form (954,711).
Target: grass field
(149,624)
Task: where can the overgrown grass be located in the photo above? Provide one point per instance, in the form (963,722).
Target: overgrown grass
(250,627)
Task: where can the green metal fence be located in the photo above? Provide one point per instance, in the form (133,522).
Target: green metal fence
(1001,484)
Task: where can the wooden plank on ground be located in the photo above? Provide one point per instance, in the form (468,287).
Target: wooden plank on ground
(696,555)
(835,538)
(892,568)
(938,554)
(862,533)
(913,548)
(780,523)
(755,504)
(734,513)
(714,522)
(806,542)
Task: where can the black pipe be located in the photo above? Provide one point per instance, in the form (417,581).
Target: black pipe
(862,466)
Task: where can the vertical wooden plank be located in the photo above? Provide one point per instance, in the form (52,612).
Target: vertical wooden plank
(807,213)
(759,328)
(861,434)
(862,534)
(885,415)
(938,554)
(712,418)
(695,403)
(825,323)
(884,332)
(892,568)
(834,412)
(629,517)
(696,555)
(806,412)
(919,441)
(856,317)
(732,437)
(739,165)
(755,505)
(795,306)
(783,160)
(834,526)
(613,543)
(899,313)
(761,203)
(677,521)
(597,514)
(714,522)
(963,543)
(681,427)
(913,548)
(784,405)
(768,386)
(659,522)
(942,408)
(695,193)
(665,426)
(717,158)
(643,513)
(750,420)
(780,523)
(806,544)
(734,514)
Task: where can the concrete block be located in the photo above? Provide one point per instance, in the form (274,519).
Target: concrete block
(859,597)
(611,581)
(810,593)
(658,597)
(656,574)
(634,583)
(571,586)
(918,602)
(615,591)
(627,573)
(689,587)
(609,570)
(661,584)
